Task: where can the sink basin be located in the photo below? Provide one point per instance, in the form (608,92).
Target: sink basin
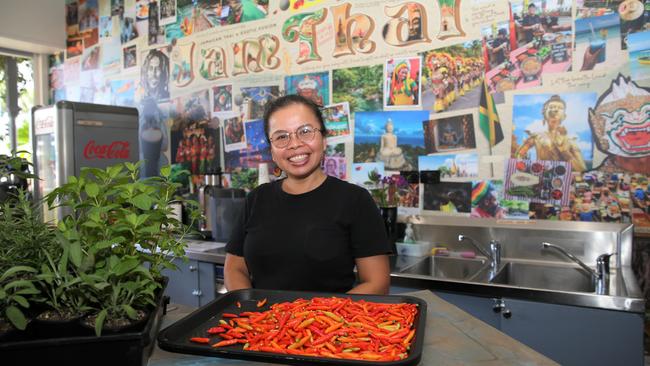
(557,278)
(446,267)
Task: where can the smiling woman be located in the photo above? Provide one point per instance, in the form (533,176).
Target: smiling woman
(308,231)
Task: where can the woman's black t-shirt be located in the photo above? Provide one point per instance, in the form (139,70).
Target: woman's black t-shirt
(308,242)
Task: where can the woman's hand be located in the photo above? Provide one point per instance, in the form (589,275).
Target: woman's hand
(235,272)
(374,275)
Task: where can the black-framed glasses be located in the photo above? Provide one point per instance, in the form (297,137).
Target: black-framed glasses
(281,139)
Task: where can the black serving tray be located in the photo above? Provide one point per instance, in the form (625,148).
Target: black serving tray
(175,338)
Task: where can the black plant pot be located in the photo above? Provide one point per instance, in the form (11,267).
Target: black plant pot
(389,215)
(88,323)
(128,348)
(57,328)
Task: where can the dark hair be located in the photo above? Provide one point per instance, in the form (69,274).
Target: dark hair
(531,5)
(288,100)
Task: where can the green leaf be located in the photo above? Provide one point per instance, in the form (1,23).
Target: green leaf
(99,322)
(142,201)
(132,219)
(166,171)
(92,189)
(61,226)
(114,170)
(18,283)
(16,317)
(17,269)
(21,301)
(75,254)
(130,312)
(126,265)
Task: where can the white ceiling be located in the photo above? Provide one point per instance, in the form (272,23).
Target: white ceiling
(33,26)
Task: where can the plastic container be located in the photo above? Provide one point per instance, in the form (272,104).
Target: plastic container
(123,349)
(175,338)
(417,249)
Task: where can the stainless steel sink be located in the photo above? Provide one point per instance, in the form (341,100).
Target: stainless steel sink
(559,278)
(446,267)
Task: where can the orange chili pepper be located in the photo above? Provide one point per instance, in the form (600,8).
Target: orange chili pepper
(200,340)
(238,304)
(261,303)
(229,315)
(227,342)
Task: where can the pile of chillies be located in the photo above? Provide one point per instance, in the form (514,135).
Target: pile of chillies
(322,327)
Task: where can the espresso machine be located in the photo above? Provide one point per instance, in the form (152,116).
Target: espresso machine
(220,207)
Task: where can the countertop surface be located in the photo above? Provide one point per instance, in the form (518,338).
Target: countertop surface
(452,337)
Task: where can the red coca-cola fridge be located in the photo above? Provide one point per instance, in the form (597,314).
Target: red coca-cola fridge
(69,135)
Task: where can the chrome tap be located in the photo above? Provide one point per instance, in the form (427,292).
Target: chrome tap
(494,255)
(600,276)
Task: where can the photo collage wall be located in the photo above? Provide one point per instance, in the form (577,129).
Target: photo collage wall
(526,109)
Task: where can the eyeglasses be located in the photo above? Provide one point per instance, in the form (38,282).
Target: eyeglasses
(281,139)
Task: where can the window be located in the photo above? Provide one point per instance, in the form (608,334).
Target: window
(16,94)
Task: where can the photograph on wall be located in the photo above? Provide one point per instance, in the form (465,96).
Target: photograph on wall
(117,7)
(360,86)
(74,46)
(598,43)
(407,191)
(605,197)
(256,151)
(234,134)
(402,82)
(255,99)
(621,128)
(56,78)
(153,136)
(496,50)
(105,27)
(128,31)
(71,13)
(72,70)
(553,127)
(142,10)
(488,201)
(334,166)
(451,166)
(123,92)
(313,86)
(541,41)
(90,37)
(154,29)
(111,62)
(452,77)
(394,138)
(154,73)
(194,134)
(449,134)
(638,47)
(130,57)
(167,12)
(337,122)
(360,174)
(335,163)
(538,181)
(88,15)
(222,98)
(447,197)
(90,59)
(634,14)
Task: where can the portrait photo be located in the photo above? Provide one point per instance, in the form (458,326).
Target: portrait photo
(402,82)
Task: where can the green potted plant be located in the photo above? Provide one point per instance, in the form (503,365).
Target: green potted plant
(120,224)
(16,285)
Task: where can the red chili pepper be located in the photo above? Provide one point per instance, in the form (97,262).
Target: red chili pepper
(238,304)
(229,315)
(216,330)
(227,342)
(200,340)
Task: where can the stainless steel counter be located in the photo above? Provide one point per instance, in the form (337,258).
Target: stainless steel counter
(623,294)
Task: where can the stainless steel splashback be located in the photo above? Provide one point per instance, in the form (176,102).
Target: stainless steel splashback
(522,239)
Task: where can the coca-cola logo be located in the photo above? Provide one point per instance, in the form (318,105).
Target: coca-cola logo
(116,150)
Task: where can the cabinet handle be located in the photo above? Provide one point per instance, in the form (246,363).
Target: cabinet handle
(197,293)
(498,306)
(506,313)
(192,268)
